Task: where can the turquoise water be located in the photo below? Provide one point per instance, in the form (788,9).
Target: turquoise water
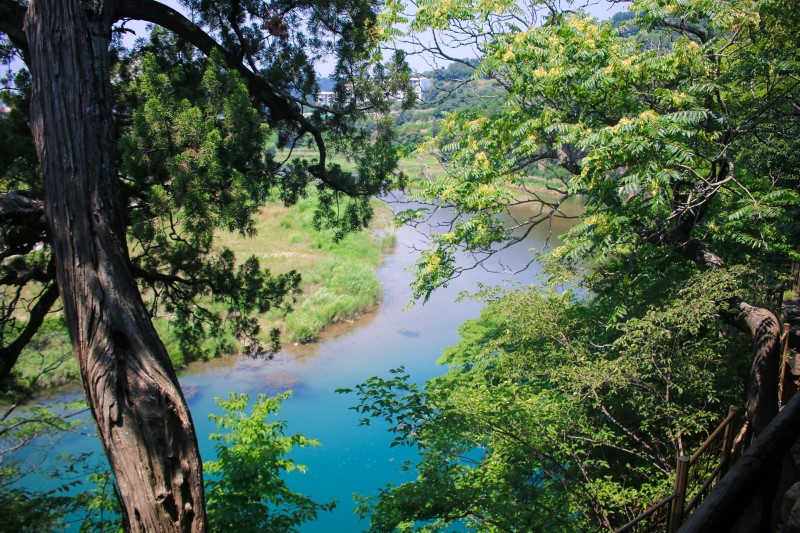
(351,459)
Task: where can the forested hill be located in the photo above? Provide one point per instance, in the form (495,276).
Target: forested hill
(455,87)
(452,88)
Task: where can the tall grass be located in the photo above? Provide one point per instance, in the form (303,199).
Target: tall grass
(345,289)
(338,278)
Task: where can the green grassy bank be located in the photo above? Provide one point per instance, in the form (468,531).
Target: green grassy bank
(338,283)
(339,280)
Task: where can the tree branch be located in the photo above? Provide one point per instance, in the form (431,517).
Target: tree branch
(763,326)
(9,354)
(684,27)
(282,106)
(22,219)
(684,244)
(760,323)
(12,16)
(19,277)
(159,277)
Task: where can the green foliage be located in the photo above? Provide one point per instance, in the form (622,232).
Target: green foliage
(678,132)
(197,151)
(342,272)
(244,487)
(17,152)
(27,513)
(197,138)
(452,90)
(46,361)
(52,510)
(655,139)
(547,417)
(100,504)
(194,167)
(34,511)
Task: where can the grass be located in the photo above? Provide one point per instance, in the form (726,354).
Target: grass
(339,283)
(349,289)
(312,156)
(338,279)
(425,165)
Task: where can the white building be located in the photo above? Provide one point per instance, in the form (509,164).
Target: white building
(420,86)
(325,98)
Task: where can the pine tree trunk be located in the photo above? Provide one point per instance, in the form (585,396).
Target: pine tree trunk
(142,418)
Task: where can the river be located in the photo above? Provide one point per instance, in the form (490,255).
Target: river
(351,458)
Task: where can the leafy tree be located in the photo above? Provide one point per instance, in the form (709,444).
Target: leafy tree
(458,70)
(682,145)
(549,420)
(661,144)
(114,208)
(245,489)
(26,510)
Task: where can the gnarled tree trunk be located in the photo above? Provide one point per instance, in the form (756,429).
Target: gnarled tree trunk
(761,324)
(763,327)
(141,416)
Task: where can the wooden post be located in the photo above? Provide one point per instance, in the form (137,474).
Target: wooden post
(784,393)
(681,477)
(728,439)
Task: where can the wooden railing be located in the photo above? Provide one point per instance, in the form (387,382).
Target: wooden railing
(654,519)
(756,473)
(786,388)
(695,477)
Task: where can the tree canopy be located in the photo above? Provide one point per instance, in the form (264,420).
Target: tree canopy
(661,142)
(678,132)
(196,155)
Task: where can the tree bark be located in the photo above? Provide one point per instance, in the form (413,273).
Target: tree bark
(762,393)
(142,418)
(760,323)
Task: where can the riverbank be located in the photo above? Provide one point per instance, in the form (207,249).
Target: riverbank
(338,278)
(339,285)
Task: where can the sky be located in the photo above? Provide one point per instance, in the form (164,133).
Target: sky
(602,9)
